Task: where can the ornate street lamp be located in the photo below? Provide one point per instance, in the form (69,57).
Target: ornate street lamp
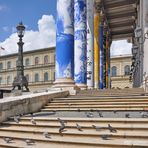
(20,80)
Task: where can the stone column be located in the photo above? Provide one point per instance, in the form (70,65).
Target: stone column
(145,46)
(65,44)
(101,52)
(80,43)
(90,43)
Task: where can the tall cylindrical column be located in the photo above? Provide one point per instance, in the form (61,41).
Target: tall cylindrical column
(96,48)
(65,42)
(105,55)
(80,42)
(90,43)
(101,53)
(107,60)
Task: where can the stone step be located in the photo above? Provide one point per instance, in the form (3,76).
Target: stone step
(96,108)
(97,103)
(73,132)
(112,90)
(101,98)
(111,94)
(88,136)
(54,120)
(99,106)
(65,142)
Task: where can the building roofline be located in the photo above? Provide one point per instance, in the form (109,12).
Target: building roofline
(28,52)
(121,56)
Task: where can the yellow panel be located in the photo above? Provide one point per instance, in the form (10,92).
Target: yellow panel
(96,49)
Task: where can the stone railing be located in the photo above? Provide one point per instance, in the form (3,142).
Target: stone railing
(25,104)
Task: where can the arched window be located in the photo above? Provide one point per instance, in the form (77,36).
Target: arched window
(114,71)
(127,70)
(46,76)
(27,77)
(8,80)
(27,62)
(46,59)
(8,65)
(36,77)
(36,60)
(1,66)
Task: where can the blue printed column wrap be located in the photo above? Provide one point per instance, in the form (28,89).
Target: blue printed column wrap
(105,55)
(65,39)
(90,43)
(80,41)
(101,56)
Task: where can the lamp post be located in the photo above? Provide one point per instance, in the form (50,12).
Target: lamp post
(20,80)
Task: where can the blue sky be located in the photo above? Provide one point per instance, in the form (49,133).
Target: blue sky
(29,11)
(39,18)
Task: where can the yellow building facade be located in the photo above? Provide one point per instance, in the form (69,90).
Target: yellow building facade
(120,71)
(39,69)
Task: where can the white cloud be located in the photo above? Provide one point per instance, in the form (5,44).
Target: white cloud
(120,47)
(44,37)
(13,29)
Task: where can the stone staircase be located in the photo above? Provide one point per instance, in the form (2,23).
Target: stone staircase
(90,121)
(113,92)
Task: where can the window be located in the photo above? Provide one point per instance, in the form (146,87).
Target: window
(27,62)
(1,80)
(46,59)
(8,65)
(114,71)
(36,60)
(54,74)
(27,77)
(127,70)
(16,62)
(8,80)
(46,76)
(36,78)
(1,66)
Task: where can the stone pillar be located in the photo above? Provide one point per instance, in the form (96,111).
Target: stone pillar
(65,44)
(145,50)
(80,43)
(101,52)
(96,47)
(90,43)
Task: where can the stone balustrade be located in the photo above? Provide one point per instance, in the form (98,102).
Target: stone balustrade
(25,104)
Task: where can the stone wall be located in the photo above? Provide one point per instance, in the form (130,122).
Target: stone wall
(25,104)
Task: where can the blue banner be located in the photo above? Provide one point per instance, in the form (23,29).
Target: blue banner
(80,41)
(65,39)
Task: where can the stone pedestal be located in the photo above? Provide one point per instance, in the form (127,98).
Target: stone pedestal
(66,84)
(82,86)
